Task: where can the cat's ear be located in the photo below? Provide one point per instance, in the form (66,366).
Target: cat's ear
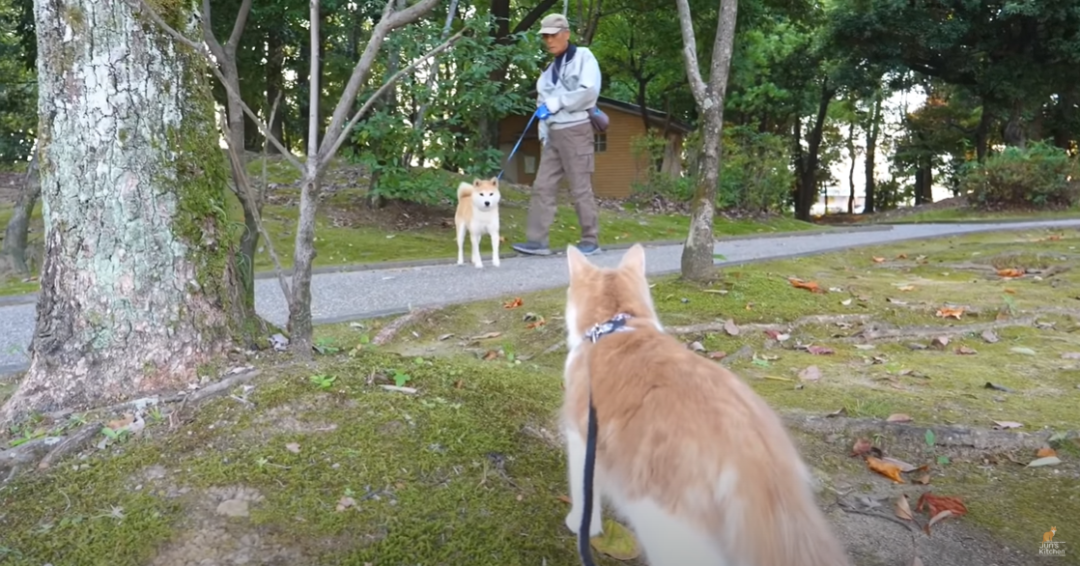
(634,260)
(577,262)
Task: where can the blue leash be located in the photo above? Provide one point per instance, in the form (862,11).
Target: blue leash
(518,144)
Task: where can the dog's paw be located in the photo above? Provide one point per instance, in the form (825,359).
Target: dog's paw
(495,262)
(478,265)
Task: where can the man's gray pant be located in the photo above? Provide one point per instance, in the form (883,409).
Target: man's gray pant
(568,152)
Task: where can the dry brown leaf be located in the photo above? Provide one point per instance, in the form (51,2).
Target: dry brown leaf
(487,336)
(1005,425)
(907,288)
(1054,237)
(731,328)
(966,351)
(491,355)
(564,499)
(517,302)
(901,256)
(293,447)
(939,342)
(878,259)
(1010,290)
(820,350)
(862,446)
(811,286)
(1045,453)
(891,471)
(937,519)
(903,509)
(948,312)
(898,418)
(459,384)
(536,323)
(904,466)
(935,504)
(121,423)
(923,479)
(717,355)
(1010,273)
(345,503)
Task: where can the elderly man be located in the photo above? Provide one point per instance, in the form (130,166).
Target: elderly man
(568,90)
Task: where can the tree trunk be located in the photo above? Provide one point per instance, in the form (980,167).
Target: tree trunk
(18,227)
(851,171)
(810,159)
(1014,134)
(871,152)
(138,288)
(275,64)
(697,257)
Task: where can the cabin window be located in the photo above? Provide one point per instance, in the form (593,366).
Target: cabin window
(599,143)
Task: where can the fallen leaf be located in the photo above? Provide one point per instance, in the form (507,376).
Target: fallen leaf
(891,471)
(459,384)
(878,259)
(901,256)
(536,323)
(811,286)
(517,302)
(1054,237)
(121,423)
(1048,461)
(862,446)
(1071,356)
(616,541)
(811,373)
(898,418)
(717,355)
(345,503)
(989,336)
(923,479)
(444,337)
(837,413)
(904,466)
(939,342)
(1004,425)
(731,328)
(565,499)
(1022,350)
(293,447)
(1010,273)
(966,351)
(487,336)
(819,350)
(845,302)
(1045,452)
(907,288)
(903,509)
(938,503)
(949,312)
(491,355)
(1009,290)
(937,519)
(697,347)
(997,387)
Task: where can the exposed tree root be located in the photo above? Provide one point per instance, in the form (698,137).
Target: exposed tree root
(919,332)
(804,321)
(391,330)
(44,452)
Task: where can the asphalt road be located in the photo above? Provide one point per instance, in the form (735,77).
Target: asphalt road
(351,295)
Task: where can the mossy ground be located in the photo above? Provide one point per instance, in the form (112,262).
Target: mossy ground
(469,469)
(349,231)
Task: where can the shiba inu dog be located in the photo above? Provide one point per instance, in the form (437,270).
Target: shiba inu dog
(478,212)
(700,467)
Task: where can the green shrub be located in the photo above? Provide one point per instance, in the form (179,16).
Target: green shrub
(755,171)
(1040,176)
(649,149)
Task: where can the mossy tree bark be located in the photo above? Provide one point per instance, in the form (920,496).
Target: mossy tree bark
(139,286)
(697,256)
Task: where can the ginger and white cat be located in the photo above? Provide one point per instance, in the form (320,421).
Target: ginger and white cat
(703,471)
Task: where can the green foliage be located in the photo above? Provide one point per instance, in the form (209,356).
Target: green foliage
(462,101)
(649,149)
(1040,176)
(755,175)
(18,87)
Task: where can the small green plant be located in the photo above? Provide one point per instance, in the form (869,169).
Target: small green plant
(323,381)
(325,346)
(115,435)
(400,379)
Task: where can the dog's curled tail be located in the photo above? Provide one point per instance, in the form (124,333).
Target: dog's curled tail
(464,190)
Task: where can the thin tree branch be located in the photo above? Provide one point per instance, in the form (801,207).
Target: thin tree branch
(313,88)
(390,21)
(693,71)
(143,5)
(246,188)
(208,33)
(238,27)
(344,134)
(432,77)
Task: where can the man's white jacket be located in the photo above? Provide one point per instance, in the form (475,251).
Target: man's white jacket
(571,98)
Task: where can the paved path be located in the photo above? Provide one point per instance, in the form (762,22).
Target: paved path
(363,294)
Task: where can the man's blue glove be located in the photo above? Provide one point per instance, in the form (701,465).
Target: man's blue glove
(543,112)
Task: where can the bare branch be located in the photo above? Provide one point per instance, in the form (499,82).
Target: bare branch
(722,50)
(344,134)
(693,71)
(432,77)
(143,5)
(208,33)
(313,88)
(238,27)
(390,21)
(242,179)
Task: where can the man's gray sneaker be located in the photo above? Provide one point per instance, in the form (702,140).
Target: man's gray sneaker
(588,248)
(531,248)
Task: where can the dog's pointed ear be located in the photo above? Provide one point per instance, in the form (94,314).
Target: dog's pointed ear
(634,260)
(476,182)
(577,262)
(495,180)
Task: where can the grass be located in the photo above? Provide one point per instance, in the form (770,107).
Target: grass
(349,232)
(972,215)
(468,470)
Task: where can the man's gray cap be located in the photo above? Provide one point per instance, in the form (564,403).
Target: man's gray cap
(554,23)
